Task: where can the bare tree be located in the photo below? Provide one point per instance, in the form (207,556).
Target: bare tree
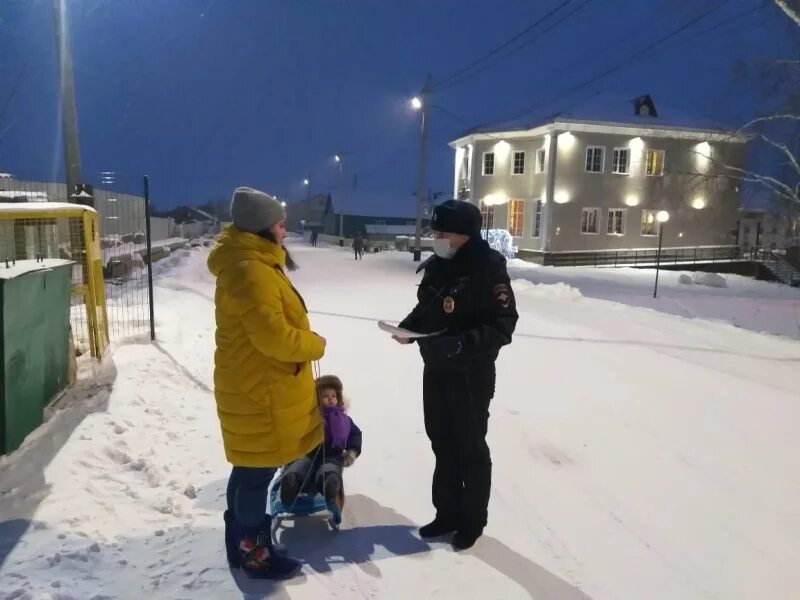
(793,12)
(774,163)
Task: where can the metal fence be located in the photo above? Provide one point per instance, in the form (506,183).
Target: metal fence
(643,257)
(122,221)
(44,231)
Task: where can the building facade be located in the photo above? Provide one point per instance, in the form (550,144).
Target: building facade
(577,182)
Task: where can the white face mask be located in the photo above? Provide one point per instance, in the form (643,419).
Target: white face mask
(443,249)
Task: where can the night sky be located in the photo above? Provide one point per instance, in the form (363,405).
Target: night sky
(204,95)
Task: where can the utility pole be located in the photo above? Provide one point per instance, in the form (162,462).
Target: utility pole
(69,113)
(338,159)
(423,138)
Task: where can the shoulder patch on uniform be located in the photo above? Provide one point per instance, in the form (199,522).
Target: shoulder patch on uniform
(502,294)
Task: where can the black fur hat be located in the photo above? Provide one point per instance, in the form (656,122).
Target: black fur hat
(334,383)
(457,216)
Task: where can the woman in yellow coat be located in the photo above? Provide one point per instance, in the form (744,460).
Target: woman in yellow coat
(263,381)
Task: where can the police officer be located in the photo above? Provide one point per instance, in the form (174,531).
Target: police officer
(466,295)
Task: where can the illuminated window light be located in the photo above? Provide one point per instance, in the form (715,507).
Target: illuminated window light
(632,200)
(699,203)
(561,197)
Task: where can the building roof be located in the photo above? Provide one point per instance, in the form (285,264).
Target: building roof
(367,203)
(609,109)
(31,209)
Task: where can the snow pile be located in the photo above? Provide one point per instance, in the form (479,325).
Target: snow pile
(759,306)
(31,196)
(714,280)
(551,291)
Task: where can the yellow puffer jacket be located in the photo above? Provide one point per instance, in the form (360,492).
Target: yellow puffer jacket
(263,382)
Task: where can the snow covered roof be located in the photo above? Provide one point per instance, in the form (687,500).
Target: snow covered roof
(609,109)
(21,267)
(208,216)
(42,207)
(366,203)
(6,176)
(40,196)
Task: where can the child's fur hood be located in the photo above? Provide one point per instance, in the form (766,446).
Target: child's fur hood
(332,381)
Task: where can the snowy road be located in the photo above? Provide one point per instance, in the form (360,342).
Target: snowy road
(636,455)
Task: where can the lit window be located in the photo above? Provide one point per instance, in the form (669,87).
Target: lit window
(649,223)
(516,216)
(655,163)
(487,216)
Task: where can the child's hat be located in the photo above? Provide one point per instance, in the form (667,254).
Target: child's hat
(330,381)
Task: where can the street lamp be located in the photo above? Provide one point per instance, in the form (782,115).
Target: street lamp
(662,217)
(420,103)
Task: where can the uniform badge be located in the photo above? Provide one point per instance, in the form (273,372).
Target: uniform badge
(503,295)
(449,305)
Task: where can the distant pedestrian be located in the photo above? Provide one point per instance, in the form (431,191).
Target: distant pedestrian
(314,236)
(358,246)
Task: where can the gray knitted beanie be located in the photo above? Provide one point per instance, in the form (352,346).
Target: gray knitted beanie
(254,211)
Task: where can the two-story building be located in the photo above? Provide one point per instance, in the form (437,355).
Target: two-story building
(593,179)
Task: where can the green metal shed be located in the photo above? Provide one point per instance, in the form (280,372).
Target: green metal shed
(34,346)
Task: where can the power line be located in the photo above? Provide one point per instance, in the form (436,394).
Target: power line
(632,58)
(504,45)
(512,51)
(580,60)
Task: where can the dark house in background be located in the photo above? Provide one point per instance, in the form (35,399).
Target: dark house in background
(308,214)
(376,215)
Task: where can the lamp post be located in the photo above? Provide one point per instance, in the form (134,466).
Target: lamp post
(307,183)
(338,160)
(420,103)
(662,217)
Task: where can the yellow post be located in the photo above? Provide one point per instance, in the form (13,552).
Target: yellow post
(96,293)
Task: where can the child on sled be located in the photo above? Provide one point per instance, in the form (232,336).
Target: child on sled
(321,469)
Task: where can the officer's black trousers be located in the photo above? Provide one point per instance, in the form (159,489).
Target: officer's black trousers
(456,403)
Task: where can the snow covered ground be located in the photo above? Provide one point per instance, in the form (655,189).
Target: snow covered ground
(755,305)
(637,454)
